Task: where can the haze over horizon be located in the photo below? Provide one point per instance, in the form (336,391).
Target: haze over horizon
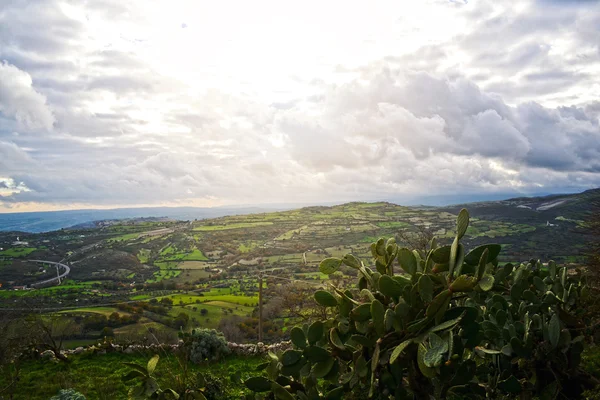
(107,105)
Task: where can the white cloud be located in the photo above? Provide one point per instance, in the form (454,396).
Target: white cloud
(115,103)
(20,100)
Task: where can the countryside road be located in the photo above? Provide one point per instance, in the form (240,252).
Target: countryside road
(66,272)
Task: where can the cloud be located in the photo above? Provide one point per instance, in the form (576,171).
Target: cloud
(20,100)
(116,104)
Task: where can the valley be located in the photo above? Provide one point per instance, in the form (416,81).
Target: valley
(135,278)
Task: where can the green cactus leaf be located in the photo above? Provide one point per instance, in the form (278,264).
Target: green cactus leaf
(362,340)
(529,296)
(435,354)
(362,312)
(501,318)
(439,303)
(315,332)
(362,283)
(463,283)
(510,385)
(482,263)
(334,337)
(325,298)
(426,288)
(298,337)
(316,354)
(378,315)
(399,349)
(517,347)
(539,284)
(366,293)
(390,287)
(322,368)
(381,266)
(152,364)
(375,358)
(552,269)
(448,324)
(441,255)
(351,261)
(389,319)
(280,392)
(486,283)
(462,223)
(335,394)
(329,265)
(554,330)
(258,384)
(457,256)
(373,249)
(418,324)
(488,351)
(407,261)
(425,370)
(290,357)
(474,256)
(380,247)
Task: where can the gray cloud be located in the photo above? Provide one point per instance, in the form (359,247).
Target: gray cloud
(96,124)
(20,100)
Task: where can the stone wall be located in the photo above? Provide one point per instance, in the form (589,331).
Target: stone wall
(239,349)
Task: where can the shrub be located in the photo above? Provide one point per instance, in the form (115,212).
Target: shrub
(452,325)
(68,394)
(206,345)
(107,332)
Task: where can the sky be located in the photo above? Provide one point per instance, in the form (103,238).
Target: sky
(111,103)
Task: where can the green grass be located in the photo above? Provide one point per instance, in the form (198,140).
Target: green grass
(98,377)
(18,252)
(143,255)
(392,224)
(98,310)
(237,225)
(195,255)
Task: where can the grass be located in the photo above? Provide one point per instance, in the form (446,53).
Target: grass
(143,255)
(237,225)
(193,265)
(18,252)
(392,224)
(195,255)
(98,310)
(99,377)
(124,238)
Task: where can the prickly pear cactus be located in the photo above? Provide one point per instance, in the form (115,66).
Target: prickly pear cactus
(446,324)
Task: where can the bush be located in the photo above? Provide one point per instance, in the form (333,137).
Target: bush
(107,332)
(452,325)
(206,345)
(68,394)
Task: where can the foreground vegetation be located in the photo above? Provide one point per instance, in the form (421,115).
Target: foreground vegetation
(452,324)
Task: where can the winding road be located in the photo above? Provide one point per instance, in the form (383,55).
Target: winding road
(58,278)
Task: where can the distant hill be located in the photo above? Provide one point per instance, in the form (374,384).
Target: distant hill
(530,209)
(46,221)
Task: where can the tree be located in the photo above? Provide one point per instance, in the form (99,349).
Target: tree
(417,240)
(107,332)
(49,332)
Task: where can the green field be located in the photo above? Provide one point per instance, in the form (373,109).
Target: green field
(17,252)
(99,377)
(232,226)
